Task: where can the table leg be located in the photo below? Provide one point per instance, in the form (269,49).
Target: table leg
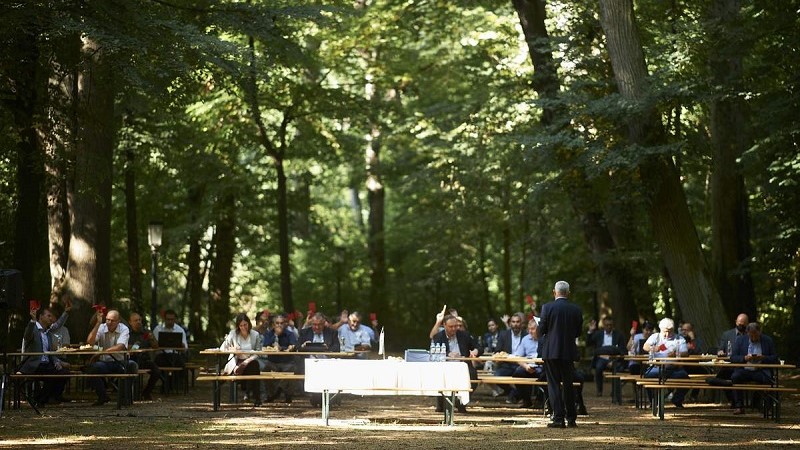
(326,406)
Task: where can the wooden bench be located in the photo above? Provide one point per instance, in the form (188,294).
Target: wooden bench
(772,400)
(124,394)
(219,379)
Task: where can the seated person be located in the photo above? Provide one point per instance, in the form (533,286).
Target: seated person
(635,344)
(171,357)
(528,348)
(38,339)
(245,338)
(752,348)
(668,344)
(354,336)
(605,341)
(112,337)
(457,344)
(282,340)
(319,333)
(508,341)
(141,339)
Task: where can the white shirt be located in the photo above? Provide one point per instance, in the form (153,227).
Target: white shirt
(106,339)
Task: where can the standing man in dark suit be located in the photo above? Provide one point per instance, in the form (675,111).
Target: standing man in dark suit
(457,343)
(559,325)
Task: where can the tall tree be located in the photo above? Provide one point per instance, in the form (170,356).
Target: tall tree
(672,223)
(730,227)
(620,284)
(89,188)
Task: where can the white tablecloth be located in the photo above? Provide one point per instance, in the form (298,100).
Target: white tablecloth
(380,377)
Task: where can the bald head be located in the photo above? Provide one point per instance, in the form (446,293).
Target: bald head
(741,322)
(112,319)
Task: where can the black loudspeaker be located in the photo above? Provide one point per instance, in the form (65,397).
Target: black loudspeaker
(11,289)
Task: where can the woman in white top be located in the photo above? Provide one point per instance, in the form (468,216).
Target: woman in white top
(244,337)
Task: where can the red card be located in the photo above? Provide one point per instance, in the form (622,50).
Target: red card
(635,325)
(662,347)
(529,299)
(312,306)
(35,304)
(373,317)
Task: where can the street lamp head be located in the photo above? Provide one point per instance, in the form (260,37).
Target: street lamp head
(154,231)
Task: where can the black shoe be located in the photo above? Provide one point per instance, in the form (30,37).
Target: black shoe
(556,425)
(271,398)
(571,424)
(582,411)
(257,403)
(63,400)
(677,404)
(525,404)
(461,408)
(287,398)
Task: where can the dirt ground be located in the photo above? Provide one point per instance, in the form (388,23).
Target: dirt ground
(187,421)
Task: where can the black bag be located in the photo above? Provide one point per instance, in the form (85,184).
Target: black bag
(714,381)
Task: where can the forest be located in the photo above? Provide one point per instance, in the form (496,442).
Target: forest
(393,157)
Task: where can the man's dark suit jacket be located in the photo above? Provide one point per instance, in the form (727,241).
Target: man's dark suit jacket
(330,337)
(32,342)
(561,322)
(729,336)
(465,345)
(767,349)
(595,340)
(504,344)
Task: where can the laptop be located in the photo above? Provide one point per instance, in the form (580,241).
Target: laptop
(314,347)
(170,339)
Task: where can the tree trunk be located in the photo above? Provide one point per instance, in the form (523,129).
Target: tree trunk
(375,238)
(89,193)
(132,232)
(507,267)
(673,227)
(222,267)
(29,84)
(194,274)
(730,228)
(619,280)
(276,152)
(59,135)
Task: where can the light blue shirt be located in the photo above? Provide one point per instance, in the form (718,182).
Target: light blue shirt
(353,338)
(527,348)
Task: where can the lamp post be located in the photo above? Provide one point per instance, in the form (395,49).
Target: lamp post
(154,232)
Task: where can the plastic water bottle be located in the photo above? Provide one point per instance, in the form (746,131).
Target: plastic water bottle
(441,354)
(729,349)
(432,352)
(652,356)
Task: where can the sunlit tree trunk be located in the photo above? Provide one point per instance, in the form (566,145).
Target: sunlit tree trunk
(730,227)
(89,193)
(673,227)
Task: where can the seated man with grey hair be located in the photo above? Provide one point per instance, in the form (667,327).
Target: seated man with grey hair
(668,344)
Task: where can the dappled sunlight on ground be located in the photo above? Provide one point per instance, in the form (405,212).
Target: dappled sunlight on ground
(183,422)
